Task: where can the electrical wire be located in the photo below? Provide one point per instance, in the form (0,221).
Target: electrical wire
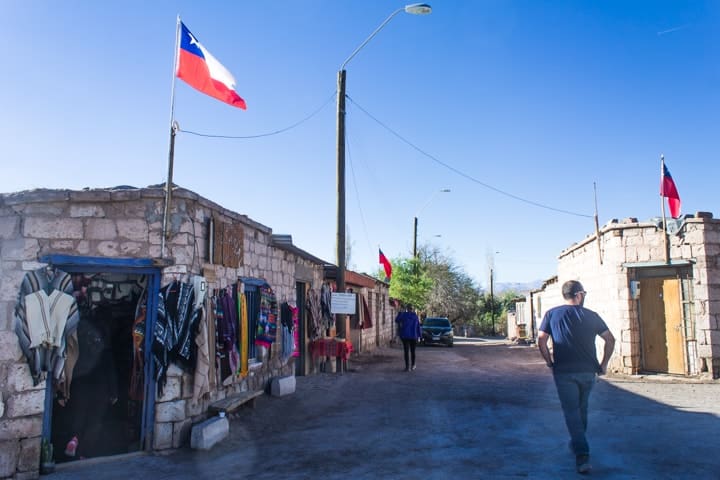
(357,195)
(260,135)
(461,173)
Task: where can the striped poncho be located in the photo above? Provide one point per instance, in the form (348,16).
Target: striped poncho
(46,320)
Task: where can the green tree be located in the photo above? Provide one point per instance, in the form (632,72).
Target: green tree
(410,283)
(454,294)
(436,286)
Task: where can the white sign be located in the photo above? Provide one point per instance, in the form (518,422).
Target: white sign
(342,303)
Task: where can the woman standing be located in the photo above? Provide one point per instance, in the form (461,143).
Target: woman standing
(409,331)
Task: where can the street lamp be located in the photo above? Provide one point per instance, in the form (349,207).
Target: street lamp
(415,222)
(415,9)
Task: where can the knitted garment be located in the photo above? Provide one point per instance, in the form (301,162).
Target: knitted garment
(314,315)
(46,315)
(173,338)
(267,317)
(325,304)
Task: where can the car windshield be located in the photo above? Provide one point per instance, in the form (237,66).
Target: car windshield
(436,322)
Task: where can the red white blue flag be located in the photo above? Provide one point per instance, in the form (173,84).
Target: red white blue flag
(199,69)
(669,191)
(386,264)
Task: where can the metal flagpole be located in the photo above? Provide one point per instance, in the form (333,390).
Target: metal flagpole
(662,202)
(171,149)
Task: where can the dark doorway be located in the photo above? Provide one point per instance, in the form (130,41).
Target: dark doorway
(101,413)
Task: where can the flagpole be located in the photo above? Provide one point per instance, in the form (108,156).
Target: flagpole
(171,148)
(662,203)
(597,226)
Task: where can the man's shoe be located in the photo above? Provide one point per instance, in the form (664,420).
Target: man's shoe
(582,462)
(413,367)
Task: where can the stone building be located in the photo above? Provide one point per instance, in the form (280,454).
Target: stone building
(659,293)
(111,241)
(373,323)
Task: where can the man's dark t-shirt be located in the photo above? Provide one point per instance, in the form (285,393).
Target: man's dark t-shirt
(573,330)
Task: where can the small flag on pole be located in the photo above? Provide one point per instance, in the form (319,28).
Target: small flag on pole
(386,264)
(669,191)
(199,69)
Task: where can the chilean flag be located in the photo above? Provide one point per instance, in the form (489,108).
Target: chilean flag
(386,264)
(669,190)
(199,69)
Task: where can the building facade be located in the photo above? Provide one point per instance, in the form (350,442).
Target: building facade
(659,293)
(126,261)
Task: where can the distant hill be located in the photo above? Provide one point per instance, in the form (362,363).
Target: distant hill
(517,287)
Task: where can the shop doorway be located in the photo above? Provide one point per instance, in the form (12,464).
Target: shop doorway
(107,409)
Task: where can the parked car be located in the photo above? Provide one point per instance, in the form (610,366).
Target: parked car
(437,330)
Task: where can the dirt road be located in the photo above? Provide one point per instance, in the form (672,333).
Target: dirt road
(482,409)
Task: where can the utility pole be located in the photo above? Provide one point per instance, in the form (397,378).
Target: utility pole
(492,302)
(415,238)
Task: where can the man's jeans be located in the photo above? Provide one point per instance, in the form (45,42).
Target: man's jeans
(574,392)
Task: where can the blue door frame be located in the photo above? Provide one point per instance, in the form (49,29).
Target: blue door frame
(135,266)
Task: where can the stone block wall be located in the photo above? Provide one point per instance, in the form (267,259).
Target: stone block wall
(608,282)
(122,223)
(381,332)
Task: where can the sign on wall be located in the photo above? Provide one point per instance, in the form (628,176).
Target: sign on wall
(343,303)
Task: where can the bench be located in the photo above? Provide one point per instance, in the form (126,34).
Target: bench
(233,402)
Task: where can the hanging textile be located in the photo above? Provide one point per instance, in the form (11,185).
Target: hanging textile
(267,317)
(176,324)
(227,356)
(244,330)
(201,377)
(295,330)
(46,316)
(314,315)
(289,320)
(136,391)
(325,299)
(364,318)
(211,342)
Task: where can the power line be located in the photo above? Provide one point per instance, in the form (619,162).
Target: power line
(282,130)
(463,174)
(357,195)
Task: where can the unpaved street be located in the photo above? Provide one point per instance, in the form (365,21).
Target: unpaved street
(479,410)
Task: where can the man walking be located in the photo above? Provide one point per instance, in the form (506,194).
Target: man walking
(409,331)
(573,329)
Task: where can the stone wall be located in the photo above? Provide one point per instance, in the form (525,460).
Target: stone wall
(608,283)
(124,223)
(381,332)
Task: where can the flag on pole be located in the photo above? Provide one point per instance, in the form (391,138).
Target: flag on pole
(199,69)
(386,264)
(669,191)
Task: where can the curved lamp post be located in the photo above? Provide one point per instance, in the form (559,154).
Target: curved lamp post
(415,9)
(415,222)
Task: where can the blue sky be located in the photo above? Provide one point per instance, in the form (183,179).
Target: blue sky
(539,100)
